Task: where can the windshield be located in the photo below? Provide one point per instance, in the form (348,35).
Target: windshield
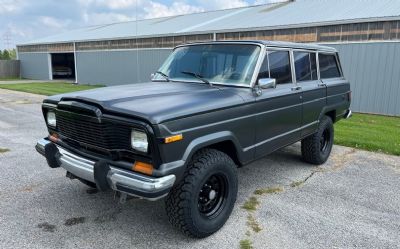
(216,63)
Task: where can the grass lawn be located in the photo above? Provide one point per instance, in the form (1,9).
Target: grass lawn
(370,132)
(50,88)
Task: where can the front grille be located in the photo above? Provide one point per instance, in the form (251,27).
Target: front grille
(88,131)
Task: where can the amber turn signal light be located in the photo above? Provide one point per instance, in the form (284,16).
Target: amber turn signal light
(142,167)
(174,138)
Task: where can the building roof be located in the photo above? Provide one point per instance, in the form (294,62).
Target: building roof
(291,14)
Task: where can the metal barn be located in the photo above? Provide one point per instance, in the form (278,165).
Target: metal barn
(365,32)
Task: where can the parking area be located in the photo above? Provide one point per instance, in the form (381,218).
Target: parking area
(352,201)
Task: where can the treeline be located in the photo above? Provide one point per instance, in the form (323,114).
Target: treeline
(8,54)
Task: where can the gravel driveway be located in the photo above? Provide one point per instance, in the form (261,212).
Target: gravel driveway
(351,201)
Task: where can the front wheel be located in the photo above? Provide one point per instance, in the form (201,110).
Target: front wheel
(317,147)
(201,203)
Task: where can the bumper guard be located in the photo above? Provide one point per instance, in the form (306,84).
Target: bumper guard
(125,181)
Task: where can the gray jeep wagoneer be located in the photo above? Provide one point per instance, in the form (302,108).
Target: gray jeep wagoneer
(210,108)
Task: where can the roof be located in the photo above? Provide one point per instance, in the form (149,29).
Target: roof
(299,13)
(272,44)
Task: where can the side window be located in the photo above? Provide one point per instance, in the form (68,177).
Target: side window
(279,66)
(328,66)
(305,66)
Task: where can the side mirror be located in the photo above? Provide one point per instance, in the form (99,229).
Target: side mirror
(266,83)
(152,76)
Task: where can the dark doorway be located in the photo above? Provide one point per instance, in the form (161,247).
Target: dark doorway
(63,66)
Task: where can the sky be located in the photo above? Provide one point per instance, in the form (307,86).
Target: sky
(25,20)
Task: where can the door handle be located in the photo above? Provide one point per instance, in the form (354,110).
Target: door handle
(322,84)
(296,88)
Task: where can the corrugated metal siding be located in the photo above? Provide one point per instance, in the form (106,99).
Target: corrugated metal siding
(374,73)
(118,67)
(34,66)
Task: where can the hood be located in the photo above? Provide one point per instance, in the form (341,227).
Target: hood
(157,102)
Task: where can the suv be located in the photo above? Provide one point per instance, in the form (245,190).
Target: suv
(210,108)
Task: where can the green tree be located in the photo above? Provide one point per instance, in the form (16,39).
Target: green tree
(6,55)
(13,54)
(1,54)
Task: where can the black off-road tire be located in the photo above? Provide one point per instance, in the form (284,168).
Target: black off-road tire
(184,203)
(317,147)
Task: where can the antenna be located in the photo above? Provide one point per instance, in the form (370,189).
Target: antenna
(7,39)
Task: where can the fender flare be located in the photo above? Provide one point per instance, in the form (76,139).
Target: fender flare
(210,139)
(327,109)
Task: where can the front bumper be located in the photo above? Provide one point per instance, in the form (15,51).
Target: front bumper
(105,175)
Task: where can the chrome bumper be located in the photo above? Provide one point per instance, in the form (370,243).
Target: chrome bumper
(125,181)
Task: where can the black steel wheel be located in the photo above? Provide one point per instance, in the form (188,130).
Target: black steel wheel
(317,147)
(202,201)
(212,195)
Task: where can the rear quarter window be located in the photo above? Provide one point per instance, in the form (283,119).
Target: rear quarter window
(328,66)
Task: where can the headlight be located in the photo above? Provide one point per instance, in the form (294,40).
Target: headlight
(51,118)
(139,141)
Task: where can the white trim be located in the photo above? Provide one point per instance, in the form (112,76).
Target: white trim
(76,68)
(49,65)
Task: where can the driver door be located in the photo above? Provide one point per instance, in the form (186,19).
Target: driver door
(279,109)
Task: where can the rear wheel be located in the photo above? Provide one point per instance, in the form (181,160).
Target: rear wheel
(317,147)
(201,203)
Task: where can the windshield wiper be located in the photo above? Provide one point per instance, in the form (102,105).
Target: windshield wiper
(198,76)
(163,75)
